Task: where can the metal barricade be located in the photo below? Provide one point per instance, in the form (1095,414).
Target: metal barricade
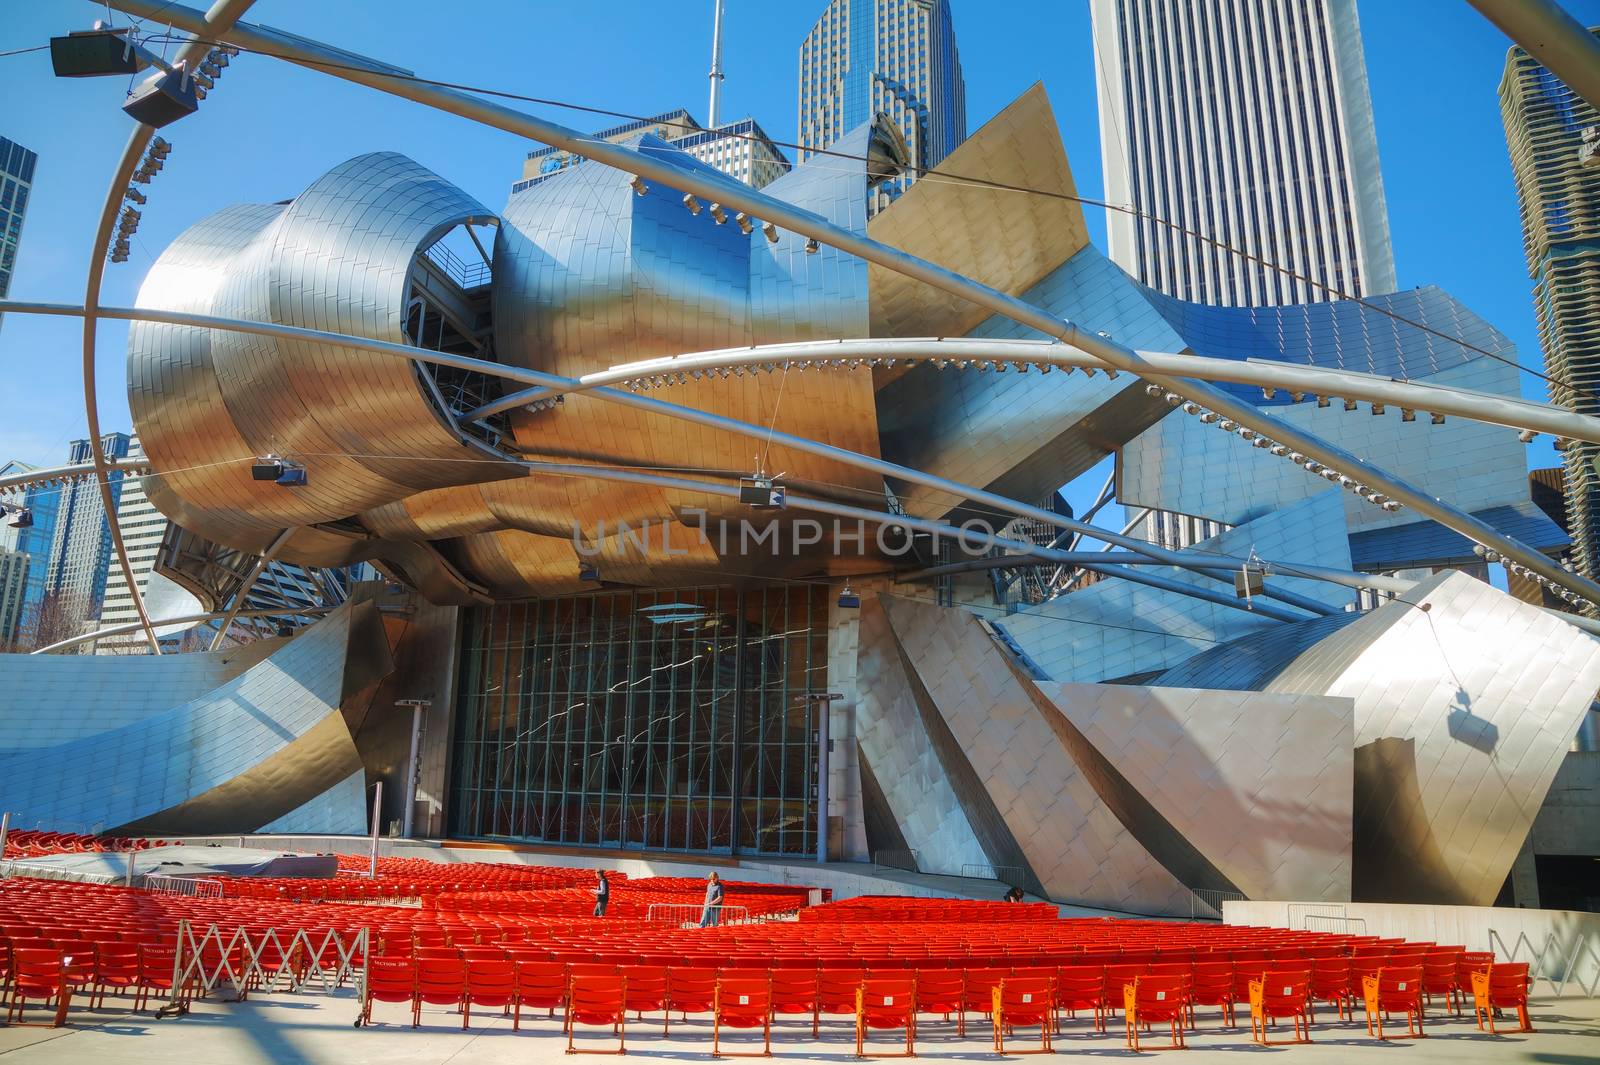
(241,962)
(1005,874)
(198,887)
(904,861)
(1555,964)
(1322,922)
(687,915)
(1298,912)
(1205,904)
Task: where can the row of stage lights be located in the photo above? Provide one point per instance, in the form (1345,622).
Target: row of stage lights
(719,215)
(1255,439)
(1515,568)
(155,157)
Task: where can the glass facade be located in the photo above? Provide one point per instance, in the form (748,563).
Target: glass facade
(671,720)
(16,182)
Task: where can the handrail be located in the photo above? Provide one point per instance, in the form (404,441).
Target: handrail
(904,861)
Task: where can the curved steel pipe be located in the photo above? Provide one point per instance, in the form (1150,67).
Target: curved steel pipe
(662,407)
(741,197)
(132,467)
(219,18)
(186,619)
(250,579)
(1310,380)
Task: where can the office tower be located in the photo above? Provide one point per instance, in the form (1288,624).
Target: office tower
(31,540)
(142,527)
(13,583)
(1554,139)
(894,57)
(1248,127)
(80,550)
(16,183)
(739,149)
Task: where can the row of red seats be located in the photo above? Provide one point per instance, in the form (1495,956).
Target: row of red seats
(33,843)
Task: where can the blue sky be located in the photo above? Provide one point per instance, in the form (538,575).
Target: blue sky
(269,129)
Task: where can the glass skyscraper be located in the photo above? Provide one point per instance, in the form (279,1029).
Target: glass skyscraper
(80,549)
(891,57)
(31,542)
(16,183)
(1247,130)
(1554,139)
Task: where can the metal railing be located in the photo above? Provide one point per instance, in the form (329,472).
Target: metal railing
(1205,904)
(1551,962)
(1297,913)
(906,861)
(466,275)
(1322,922)
(192,886)
(1005,874)
(688,915)
(242,962)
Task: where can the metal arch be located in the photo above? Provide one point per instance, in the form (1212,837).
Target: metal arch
(243,593)
(671,410)
(219,18)
(187,619)
(742,197)
(1310,380)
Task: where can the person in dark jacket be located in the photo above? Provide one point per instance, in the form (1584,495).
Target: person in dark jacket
(711,912)
(602,894)
(1014,895)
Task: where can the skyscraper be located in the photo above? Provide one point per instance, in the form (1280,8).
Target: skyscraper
(1554,139)
(1250,125)
(80,550)
(16,183)
(142,527)
(894,57)
(32,542)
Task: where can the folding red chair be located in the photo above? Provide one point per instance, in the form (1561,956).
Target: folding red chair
(1152,999)
(598,1000)
(1501,987)
(887,1001)
(1331,983)
(690,990)
(115,968)
(440,982)
(1394,989)
(647,990)
(37,974)
(1022,1002)
(742,1002)
(794,993)
(1082,987)
(541,985)
(1281,993)
(943,991)
(388,980)
(1213,986)
(978,992)
(490,982)
(836,995)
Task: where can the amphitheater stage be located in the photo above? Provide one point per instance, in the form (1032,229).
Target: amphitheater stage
(191,860)
(282,1029)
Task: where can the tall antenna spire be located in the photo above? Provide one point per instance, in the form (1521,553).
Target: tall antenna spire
(716,67)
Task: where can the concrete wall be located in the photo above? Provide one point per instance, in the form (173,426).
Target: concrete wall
(1569,820)
(1548,938)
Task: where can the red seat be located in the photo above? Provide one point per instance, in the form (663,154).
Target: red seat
(115,968)
(691,990)
(490,982)
(37,974)
(1022,1002)
(836,994)
(1082,987)
(647,990)
(1501,987)
(1394,989)
(978,992)
(1331,983)
(1213,986)
(598,1000)
(440,982)
(794,993)
(1281,993)
(943,991)
(388,980)
(541,985)
(742,1001)
(1439,969)
(887,1001)
(1152,999)
(157,966)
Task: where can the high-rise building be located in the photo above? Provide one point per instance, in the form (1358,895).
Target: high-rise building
(16,183)
(739,149)
(80,550)
(32,541)
(142,527)
(1554,138)
(13,583)
(891,57)
(1241,138)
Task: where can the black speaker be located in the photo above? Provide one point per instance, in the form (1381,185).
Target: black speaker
(92,55)
(163,99)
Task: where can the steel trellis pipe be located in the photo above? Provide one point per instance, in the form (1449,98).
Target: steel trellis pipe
(673,410)
(187,619)
(731,193)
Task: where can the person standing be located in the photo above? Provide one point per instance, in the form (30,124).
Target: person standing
(711,912)
(602,894)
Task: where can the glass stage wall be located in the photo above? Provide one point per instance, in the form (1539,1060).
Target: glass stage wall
(662,720)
